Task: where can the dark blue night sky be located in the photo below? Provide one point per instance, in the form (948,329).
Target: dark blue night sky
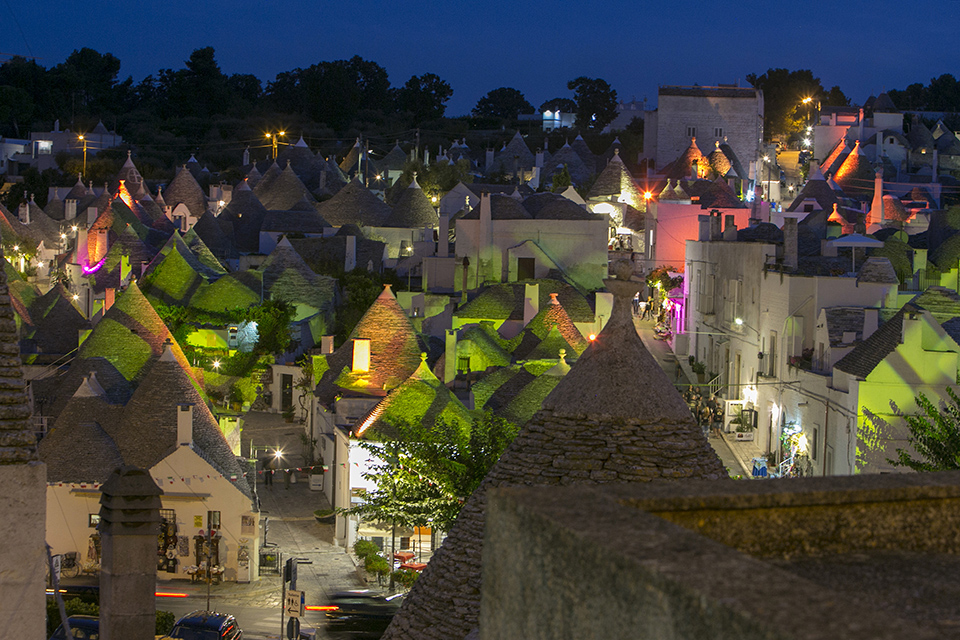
(863,46)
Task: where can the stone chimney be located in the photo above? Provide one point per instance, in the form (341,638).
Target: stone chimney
(129,518)
(361,355)
(790,249)
(350,254)
(871,321)
(703,228)
(326,345)
(92,214)
(715,233)
(102,245)
(538,162)
(185,425)
(935,168)
(443,236)
(109,296)
(729,227)
(83,251)
(876,207)
(860,126)
(486,241)
(69,209)
(489,160)
(24,212)
(531,302)
(246,156)
(450,356)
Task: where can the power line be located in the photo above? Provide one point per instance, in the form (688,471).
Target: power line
(22,35)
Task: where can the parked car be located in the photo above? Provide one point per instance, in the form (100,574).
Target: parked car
(206,625)
(81,628)
(360,614)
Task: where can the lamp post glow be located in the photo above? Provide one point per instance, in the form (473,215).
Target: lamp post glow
(274,141)
(83,139)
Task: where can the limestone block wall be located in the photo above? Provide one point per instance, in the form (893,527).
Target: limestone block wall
(740,120)
(23,554)
(612,562)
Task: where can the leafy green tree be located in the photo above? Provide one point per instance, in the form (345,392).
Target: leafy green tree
(596,102)
(783,94)
(505,103)
(87,82)
(360,288)
(561,180)
(566,105)
(16,108)
(934,434)
(835,97)
(424,97)
(426,472)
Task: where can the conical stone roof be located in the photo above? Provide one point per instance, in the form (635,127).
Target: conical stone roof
(616,180)
(422,398)
(589,158)
(284,192)
(579,172)
(148,431)
(355,204)
(682,167)
(615,417)
(413,210)
(185,189)
(394,351)
(246,213)
(129,336)
(554,315)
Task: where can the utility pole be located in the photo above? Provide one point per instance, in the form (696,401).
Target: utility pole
(83,139)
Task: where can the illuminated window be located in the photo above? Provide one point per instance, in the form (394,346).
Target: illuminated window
(93,520)
(213,519)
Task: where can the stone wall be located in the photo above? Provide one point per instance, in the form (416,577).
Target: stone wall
(740,119)
(22,555)
(595,562)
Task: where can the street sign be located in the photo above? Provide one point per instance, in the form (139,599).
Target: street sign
(294,603)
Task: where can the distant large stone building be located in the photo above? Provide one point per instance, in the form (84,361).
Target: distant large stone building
(709,114)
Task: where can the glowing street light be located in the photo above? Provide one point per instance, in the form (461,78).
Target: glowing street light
(216,364)
(83,139)
(807,100)
(274,140)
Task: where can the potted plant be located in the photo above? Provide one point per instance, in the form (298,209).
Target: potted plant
(701,370)
(743,426)
(325,516)
(288,414)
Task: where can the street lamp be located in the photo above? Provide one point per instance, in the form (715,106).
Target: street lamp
(83,139)
(274,140)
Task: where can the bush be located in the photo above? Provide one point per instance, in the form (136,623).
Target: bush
(73,607)
(364,548)
(405,577)
(165,621)
(80,607)
(376,565)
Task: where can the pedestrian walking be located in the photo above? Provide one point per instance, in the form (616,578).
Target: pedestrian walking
(636,303)
(265,465)
(717,416)
(706,413)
